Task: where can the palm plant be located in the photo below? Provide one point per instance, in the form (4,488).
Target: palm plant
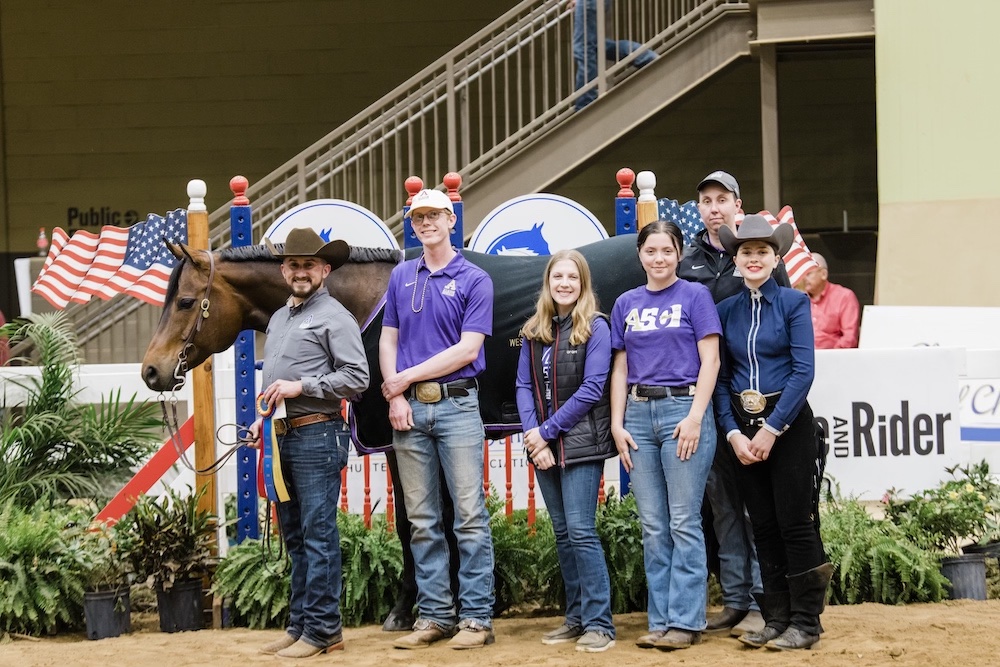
(51,445)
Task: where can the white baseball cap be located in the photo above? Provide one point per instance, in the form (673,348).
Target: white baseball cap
(431,199)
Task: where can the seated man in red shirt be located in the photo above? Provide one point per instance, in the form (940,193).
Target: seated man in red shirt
(835,309)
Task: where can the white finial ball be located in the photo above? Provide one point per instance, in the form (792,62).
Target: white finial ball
(646,182)
(196,192)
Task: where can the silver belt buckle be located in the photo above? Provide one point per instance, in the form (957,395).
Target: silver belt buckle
(753,401)
(635,394)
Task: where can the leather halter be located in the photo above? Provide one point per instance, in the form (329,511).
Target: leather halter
(188,337)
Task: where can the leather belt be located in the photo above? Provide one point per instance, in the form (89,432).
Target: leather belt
(432,392)
(646,391)
(283,426)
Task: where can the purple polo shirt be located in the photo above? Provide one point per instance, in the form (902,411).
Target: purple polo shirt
(659,332)
(432,310)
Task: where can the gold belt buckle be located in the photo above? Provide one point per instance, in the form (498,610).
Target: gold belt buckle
(428,392)
(753,401)
(280,427)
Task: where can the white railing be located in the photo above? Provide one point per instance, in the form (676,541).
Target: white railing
(491,96)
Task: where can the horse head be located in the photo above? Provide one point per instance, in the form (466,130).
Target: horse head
(201,316)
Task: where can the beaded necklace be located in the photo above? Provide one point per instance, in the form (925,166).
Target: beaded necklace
(423,291)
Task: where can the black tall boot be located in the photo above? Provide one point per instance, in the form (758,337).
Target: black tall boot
(808,593)
(775,607)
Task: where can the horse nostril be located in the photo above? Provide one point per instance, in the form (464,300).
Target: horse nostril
(149,375)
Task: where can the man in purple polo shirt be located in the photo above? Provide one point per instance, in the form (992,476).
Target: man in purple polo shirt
(438,312)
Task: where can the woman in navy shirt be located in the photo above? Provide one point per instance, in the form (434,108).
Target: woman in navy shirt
(665,337)
(767,370)
(562,399)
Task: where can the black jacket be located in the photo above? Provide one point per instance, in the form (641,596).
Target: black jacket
(716,270)
(590,439)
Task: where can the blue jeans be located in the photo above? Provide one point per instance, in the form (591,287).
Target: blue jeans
(585,51)
(570,495)
(669,493)
(739,572)
(447,436)
(311,460)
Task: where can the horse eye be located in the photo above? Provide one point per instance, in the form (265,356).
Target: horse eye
(185,303)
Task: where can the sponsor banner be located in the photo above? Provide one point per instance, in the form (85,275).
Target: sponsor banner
(334,219)
(890,416)
(930,326)
(537,224)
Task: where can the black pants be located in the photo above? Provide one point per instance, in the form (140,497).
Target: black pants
(780,494)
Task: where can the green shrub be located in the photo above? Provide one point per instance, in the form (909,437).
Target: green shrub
(41,574)
(372,567)
(874,560)
(621,535)
(256,583)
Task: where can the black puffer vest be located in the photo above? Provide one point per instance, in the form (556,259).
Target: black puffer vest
(590,439)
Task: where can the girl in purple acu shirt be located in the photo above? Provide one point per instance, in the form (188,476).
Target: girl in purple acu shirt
(665,341)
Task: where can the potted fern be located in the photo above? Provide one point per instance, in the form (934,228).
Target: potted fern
(945,518)
(105,573)
(170,543)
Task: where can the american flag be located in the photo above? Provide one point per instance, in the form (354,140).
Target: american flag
(134,260)
(798,260)
(686,216)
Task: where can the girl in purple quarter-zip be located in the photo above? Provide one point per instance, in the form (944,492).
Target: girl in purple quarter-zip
(665,337)
(562,398)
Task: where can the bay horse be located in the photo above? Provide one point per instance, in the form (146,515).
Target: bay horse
(243,287)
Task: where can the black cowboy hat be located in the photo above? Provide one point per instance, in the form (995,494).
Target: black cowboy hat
(757,228)
(304,242)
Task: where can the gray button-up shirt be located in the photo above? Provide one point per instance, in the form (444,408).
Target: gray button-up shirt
(319,343)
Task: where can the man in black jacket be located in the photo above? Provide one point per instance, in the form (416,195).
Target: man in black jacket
(705,261)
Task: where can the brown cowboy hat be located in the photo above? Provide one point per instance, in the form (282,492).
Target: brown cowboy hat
(757,228)
(304,242)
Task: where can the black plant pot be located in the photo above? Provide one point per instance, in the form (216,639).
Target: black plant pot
(990,549)
(967,574)
(180,607)
(107,613)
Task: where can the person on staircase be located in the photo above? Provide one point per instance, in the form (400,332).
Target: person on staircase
(768,364)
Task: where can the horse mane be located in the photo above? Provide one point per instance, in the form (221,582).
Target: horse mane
(260,253)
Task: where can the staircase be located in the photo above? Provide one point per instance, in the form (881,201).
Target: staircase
(499,109)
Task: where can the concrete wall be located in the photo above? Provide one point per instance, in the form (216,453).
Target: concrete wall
(938,94)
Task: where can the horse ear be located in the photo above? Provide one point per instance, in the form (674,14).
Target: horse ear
(181,250)
(178,250)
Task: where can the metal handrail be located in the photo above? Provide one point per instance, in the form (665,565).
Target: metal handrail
(493,95)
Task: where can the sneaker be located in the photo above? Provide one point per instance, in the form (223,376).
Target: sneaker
(472,634)
(562,635)
(424,634)
(649,640)
(595,642)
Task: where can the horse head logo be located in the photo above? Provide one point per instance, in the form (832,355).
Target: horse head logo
(521,242)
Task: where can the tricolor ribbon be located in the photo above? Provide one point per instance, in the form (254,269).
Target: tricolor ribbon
(274,482)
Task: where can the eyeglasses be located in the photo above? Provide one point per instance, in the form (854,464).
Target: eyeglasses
(431,216)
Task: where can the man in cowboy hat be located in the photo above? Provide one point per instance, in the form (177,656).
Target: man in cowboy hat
(313,358)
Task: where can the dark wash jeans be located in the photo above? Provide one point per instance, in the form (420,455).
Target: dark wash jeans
(311,460)
(779,494)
